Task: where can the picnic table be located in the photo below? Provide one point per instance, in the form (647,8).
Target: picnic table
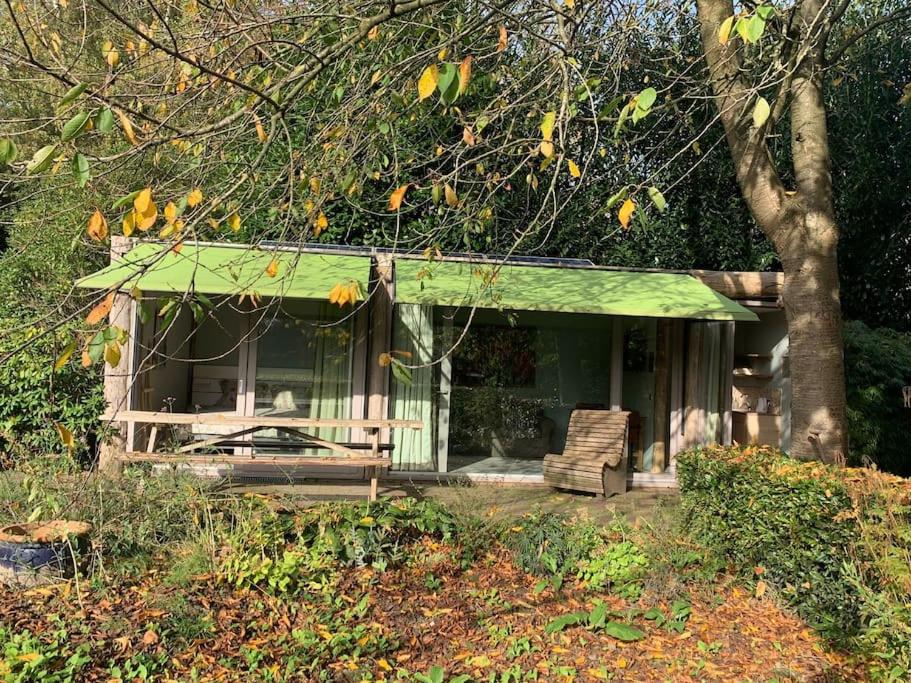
(220,431)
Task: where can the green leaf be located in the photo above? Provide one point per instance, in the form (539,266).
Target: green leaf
(105,121)
(400,372)
(657,198)
(74,126)
(125,200)
(72,94)
(564,620)
(448,82)
(96,346)
(646,99)
(8,151)
(597,616)
(41,160)
(617,197)
(765,11)
(755,25)
(761,111)
(623,632)
(81,169)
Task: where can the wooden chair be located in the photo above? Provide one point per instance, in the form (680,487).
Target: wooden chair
(596,453)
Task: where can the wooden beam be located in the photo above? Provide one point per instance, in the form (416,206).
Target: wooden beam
(232,420)
(662,415)
(288,460)
(742,285)
(117,379)
(380,325)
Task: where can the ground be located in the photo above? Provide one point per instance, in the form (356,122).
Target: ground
(484,618)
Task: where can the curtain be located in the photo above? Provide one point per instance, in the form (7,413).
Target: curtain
(413,339)
(331,398)
(712,350)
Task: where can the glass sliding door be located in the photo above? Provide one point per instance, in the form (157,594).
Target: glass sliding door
(639,337)
(504,397)
(303,366)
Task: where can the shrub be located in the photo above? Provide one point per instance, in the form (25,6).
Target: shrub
(835,543)
(877,366)
(286,553)
(34,399)
(25,658)
(554,546)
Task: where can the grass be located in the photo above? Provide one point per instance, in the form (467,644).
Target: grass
(183,584)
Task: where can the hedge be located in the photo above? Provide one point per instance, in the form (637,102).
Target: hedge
(834,543)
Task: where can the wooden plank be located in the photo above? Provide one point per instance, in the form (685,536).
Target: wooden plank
(230,419)
(290,460)
(324,443)
(211,441)
(380,339)
(662,417)
(742,285)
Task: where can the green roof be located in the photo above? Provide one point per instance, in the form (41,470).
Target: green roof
(222,269)
(571,290)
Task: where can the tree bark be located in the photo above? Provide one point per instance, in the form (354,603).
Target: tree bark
(801,224)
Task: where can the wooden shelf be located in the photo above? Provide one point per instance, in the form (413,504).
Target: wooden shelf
(749,373)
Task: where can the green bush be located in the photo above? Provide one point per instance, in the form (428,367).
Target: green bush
(286,553)
(554,546)
(877,366)
(834,543)
(34,399)
(25,658)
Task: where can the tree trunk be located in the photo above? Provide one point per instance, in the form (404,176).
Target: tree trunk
(813,310)
(800,223)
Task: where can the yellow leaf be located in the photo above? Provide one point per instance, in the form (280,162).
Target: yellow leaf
(760,588)
(142,200)
(101,309)
(315,184)
(272,268)
(468,137)
(547,125)
(373,33)
(98,227)
(626,212)
(334,293)
(353,292)
(260,131)
(464,74)
(427,83)
(146,219)
(66,438)
(761,111)
(503,39)
(234,222)
(343,294)
(112,354)
(569,3)
(128,131)
(724,31)
(451,197)
(397,197)
(384,360)
(573,169)
(64,356)
(170,213)
(194,198)
(384,665)
(547,149)
(129,223)
(441,55)
(320,224)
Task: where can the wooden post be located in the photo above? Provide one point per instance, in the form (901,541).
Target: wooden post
(662,395)
(616,365)
(117,379)
(380,341)
(694,423)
